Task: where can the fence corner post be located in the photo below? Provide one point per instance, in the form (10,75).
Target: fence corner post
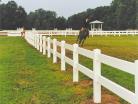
(63,56)
(97,73)
(48,47)
(75,62)
(54,50)
(136,82)
(44,45)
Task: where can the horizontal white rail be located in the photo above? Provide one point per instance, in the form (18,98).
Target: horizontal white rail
(83,52)
(86,71)
(58,43)
(123,65)
(117,89)
(69,32)
(69,61)
(3,33)
(42,43)
(59,55)
(69,47)
(76,32)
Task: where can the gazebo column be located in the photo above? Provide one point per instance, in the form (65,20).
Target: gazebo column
(101,26)
(94,27)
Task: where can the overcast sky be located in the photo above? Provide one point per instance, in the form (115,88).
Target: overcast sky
(62,7)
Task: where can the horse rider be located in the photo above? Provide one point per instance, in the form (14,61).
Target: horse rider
(84,31)
(86,24)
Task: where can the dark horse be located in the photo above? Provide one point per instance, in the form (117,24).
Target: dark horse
(83,34)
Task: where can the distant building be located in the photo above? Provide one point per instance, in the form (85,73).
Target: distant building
(96,25)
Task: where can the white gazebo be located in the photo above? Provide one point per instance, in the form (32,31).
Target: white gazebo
(96,25)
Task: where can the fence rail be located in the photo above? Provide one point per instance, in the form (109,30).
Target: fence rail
(92,33)
(69,32)
(43,44)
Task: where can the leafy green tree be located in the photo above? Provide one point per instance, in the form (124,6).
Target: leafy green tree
(12,16)
(125,11)
(42,19)
(120,15)
(61,23)
(20,17)
(76,21)
(136,14)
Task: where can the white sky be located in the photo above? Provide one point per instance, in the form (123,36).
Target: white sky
(64,8)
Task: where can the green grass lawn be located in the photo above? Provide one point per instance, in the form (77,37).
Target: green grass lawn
(28,77)
(123,47)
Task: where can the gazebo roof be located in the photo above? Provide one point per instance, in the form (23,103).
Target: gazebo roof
(96,21)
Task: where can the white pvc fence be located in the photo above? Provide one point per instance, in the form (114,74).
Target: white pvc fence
(2,33)
(71,32)
(92,33)
(10,33)
(43,44)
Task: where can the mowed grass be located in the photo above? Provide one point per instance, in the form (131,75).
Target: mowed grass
(123,47)
(27,77)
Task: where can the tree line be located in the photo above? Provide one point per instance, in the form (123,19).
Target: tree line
(120,15)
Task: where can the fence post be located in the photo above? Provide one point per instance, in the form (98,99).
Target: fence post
(35,40)
(119,33)
(136,82)
(65,33)
(33,34)
(38,41)
(54,50)
(63,55)
(97,73)
(48,47)
(41,43)
(75,62)
(44,45)
(30,38)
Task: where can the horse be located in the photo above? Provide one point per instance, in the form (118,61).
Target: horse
(83,34)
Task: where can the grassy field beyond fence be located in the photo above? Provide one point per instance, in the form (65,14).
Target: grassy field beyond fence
(28,77)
